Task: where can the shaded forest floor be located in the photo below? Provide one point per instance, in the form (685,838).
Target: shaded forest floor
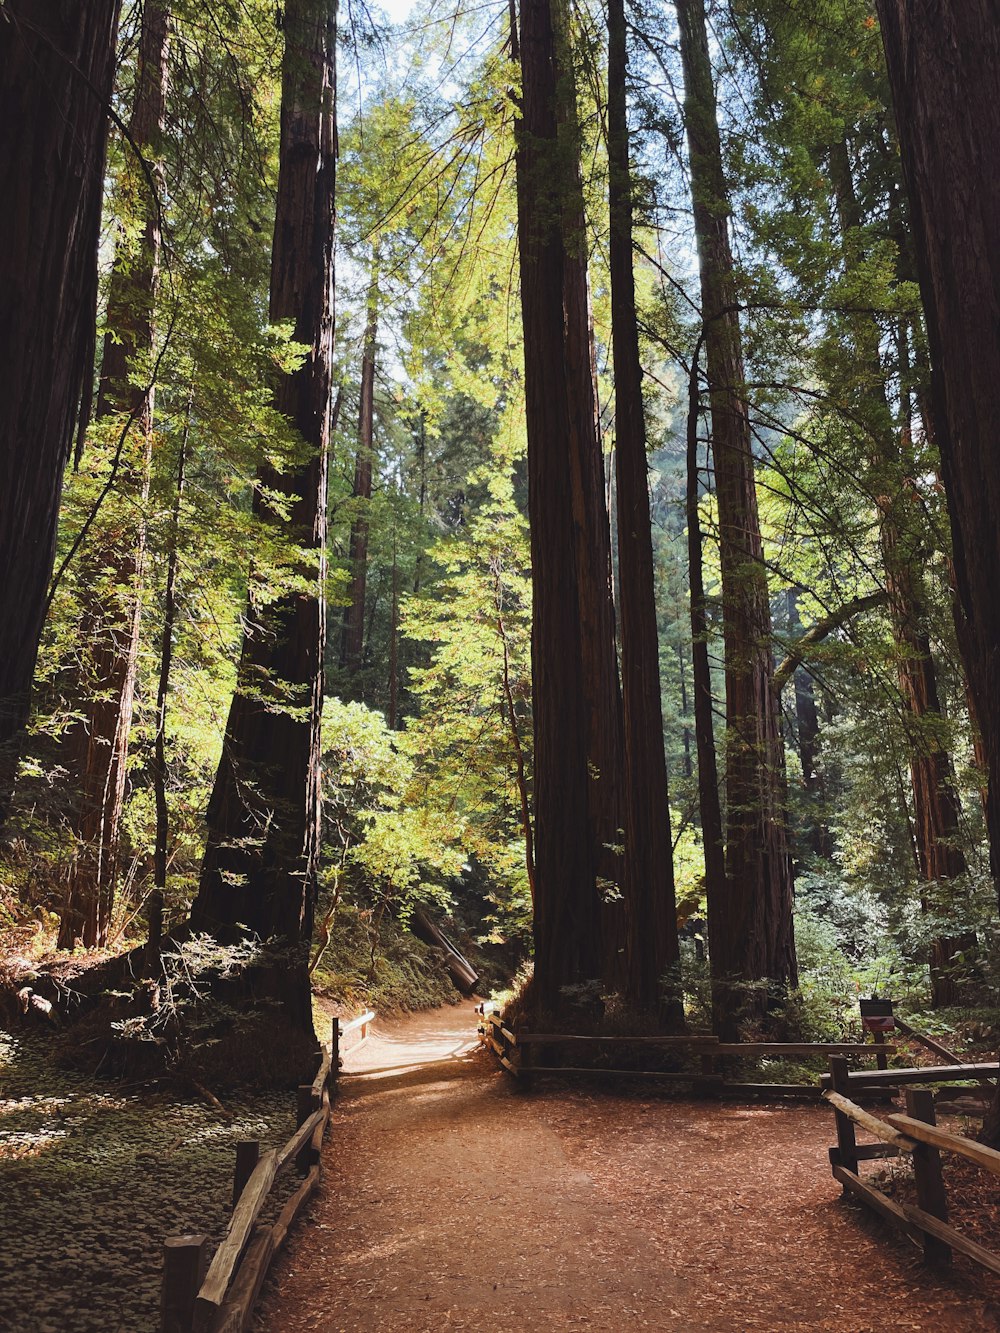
(451,1200)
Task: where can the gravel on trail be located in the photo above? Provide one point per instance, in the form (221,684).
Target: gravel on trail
(452,1201)
(93,1178)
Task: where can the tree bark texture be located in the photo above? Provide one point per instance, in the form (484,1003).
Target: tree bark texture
(936,808)
(264,815)
(755,936)
(56,71)
(95,748)
(709,802)
(944,71)
(566,848)
(648,872)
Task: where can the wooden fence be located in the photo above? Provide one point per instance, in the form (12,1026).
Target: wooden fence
(198,1296)
(518,1053)
(916,1134)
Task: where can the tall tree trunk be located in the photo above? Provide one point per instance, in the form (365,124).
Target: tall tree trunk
(566,900)
(56,70)
(260,862)
(753,941)
(944,70)
(353,640)
(935,798)
(95,749)
(709,804)
(650,904)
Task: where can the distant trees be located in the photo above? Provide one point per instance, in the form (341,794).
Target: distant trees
(95,747)
(56,70)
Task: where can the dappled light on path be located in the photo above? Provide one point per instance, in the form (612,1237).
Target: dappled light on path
(453,1201)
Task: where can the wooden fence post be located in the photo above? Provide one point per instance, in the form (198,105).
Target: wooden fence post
(247,1157)
(185,1260)
(881,1059)
(334,1055)
(847,1143)
(927,1170)
(307,1103)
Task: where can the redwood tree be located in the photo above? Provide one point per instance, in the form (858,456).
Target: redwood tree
(56,71)
(752,941)
(260,862)
(944,71)
(576,705)
(650,906)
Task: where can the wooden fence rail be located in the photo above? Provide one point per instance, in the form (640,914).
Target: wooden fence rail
(916,1134)
(199,1295)
(518,1054)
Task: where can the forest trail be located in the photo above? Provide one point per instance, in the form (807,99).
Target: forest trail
(452,1201)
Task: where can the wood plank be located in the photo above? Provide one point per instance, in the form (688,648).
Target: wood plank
(510,1068)
(987,1158)
(875,1078)
(299,1139)
(289,1214)
(948,1234)
(665,1075)
(234,1315)
(319,1082)
(879,1129)
(867,1152)
(929,1043)
(877,1201)
(579,1039)
(227,1256)
(362,1020)
(772,1089)
(755,1048)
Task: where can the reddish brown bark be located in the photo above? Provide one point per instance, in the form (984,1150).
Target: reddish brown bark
(648,878)
(561,448)
(944,71)
(260,863)
(95,748)
(936,806)
(753,941)
(56,70)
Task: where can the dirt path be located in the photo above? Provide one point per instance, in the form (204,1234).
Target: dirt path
(451,1201)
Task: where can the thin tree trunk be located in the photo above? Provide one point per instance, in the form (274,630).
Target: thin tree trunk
(353,641)
(807,739)
(521,767)
(56,70)
(260,866)
(160,846)
(95,748)
(648,880)
(710,806)
(753,941)
(682,673)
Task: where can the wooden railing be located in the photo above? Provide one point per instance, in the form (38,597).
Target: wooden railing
(217,1296)
(518,1052)
(917,1134)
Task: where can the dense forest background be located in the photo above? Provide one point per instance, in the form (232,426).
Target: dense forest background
(676,237)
